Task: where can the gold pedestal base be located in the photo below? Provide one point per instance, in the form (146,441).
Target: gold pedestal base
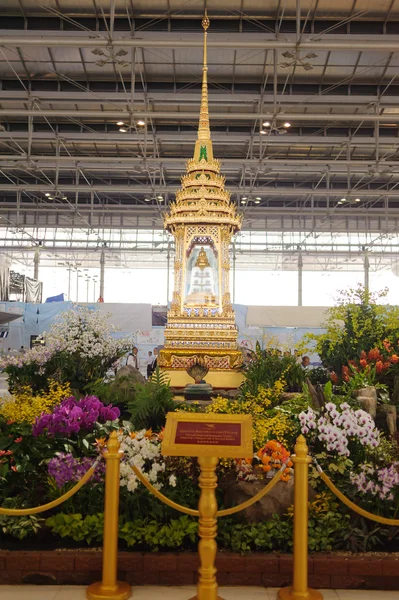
(96,591)
(205,598)
(288,593)
(228,379)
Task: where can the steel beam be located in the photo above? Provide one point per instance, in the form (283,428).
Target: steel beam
(235,41)
(126,163)
(269,191)
(188,97)
(193,116)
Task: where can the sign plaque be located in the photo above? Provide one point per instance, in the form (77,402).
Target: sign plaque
(207,434)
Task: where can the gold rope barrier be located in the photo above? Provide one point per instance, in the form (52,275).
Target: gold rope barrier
(268,488)
(162,497)
(352,505)
(195,513)
(19,512)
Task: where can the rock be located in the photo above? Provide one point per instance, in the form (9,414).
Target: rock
(388,413)
(366,392)
(133,374)
(368,404)
(277,501)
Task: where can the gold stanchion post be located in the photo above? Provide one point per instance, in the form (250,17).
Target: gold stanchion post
(207,587)
(299,589)
(109,588)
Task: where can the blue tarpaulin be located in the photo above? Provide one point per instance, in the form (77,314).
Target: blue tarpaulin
(59,298)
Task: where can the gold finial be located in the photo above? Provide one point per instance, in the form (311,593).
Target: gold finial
(205,21)
(203,146)
(202,261)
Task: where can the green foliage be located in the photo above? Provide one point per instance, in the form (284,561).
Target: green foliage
(119,391)
(145,533)
(361,379)
(318,375)
(79,528)
(358,323)
(18,527)
(326,531)
(152,401)
(150,533)
(267,367)
(275,534)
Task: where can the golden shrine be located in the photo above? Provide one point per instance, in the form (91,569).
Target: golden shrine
(201,322)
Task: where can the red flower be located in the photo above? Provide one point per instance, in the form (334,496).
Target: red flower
(345,373)
(363,355)
(394,358)
(334,377)
(363,363)
(18,440)
(14,468)
(10,422)
(386,365)
(379,366)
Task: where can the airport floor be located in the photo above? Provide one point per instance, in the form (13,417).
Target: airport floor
(65,592)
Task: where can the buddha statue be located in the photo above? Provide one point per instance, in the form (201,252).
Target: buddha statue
(202,283)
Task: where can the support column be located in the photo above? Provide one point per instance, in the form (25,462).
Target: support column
(300,274)
(102,273)
(36,262)
(234,272)
(168,275)
(366,272)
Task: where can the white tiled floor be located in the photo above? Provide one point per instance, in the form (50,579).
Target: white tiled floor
(68,592)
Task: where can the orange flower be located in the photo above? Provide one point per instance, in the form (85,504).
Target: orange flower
(148,433)
(363,355)
(290,463)
(379,366)
(101,442)
(266,468)
(266,460)
(248,461)
(394,358)
(363,363)
(334,377)
(374,354)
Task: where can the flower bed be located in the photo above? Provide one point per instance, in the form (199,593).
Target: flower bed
(49,437)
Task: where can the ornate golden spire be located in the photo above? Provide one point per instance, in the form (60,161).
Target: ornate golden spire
(203,146)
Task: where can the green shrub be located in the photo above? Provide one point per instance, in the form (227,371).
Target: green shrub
(151,403)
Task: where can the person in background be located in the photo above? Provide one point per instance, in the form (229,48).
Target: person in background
(305,362)
(133,359)
(149,364)
(154,361)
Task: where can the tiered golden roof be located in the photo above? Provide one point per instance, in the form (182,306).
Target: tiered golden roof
(202,197)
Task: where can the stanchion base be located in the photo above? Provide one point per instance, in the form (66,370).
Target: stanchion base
(196,598)
(288,593)
(96,591)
